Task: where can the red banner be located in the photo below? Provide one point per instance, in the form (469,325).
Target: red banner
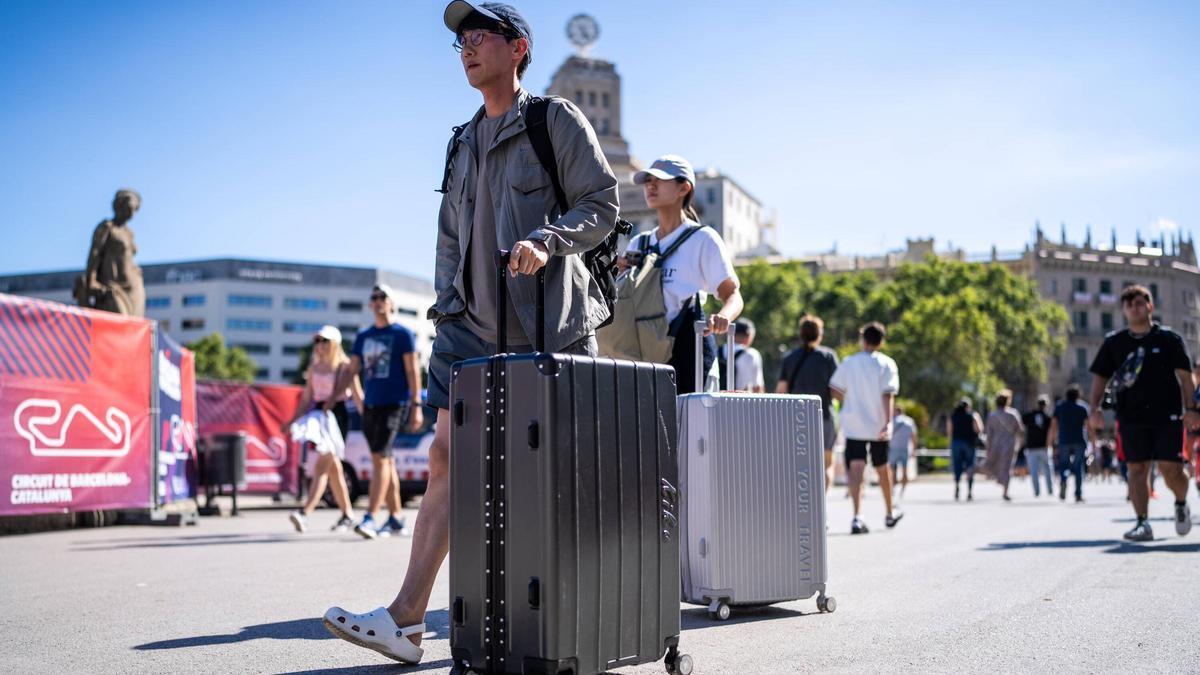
(259,410)
(74,408)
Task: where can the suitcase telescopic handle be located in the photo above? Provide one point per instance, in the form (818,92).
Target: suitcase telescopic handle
(698,328)
(539,340)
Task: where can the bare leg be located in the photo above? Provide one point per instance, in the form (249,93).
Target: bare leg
(828,470)
(1139,488)
(855,479)
(885,486)
(379,484)
(1173,476)
(431,535)
(393,492)
(903,478)
(316,487)
(341,493)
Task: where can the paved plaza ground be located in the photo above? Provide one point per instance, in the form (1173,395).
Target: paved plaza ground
(1034,585)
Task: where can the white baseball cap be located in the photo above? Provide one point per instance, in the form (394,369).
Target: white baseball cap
(330,333)
(667,167)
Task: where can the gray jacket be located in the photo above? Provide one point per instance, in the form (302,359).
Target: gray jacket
(526,209)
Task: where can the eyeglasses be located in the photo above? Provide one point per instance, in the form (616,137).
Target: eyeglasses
(378,296)
(474,38)
(319,340)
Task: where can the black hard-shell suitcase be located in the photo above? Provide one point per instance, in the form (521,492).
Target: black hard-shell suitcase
(564,549)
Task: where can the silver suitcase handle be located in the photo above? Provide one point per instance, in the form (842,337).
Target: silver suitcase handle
(698,328)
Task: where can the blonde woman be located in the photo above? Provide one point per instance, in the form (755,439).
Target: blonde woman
(324,431)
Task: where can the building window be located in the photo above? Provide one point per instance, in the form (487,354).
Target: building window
(604,127)
(192,324)
(1158,303)
(350,306)
(292,350)
(247,324)
(1054,288)
(257,348)
(1081,360)
(236,300)
(1079,285)
(301,327)
(1081,322)
(348,330)
(1106,322)
(309,304)
(578,97)
(193,301)
(289,374)
(406,311)
(604,100)
(1058,362)
(592,98)
(158,303)
(710,195)
(262,374)
(1106,286)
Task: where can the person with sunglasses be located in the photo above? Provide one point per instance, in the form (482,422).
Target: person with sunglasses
(497,195)
(311,424)
(385,356)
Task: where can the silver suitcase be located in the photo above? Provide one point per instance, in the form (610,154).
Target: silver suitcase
(752,507)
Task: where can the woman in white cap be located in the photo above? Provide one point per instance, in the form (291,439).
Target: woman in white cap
(696,264)
(324,431)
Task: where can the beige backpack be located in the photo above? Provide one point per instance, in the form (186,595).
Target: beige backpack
(639,330)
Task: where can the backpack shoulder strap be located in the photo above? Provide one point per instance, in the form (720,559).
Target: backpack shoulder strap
(539,137)
(679,242)
(450,151)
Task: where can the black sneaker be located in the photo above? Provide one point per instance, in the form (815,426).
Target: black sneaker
(1141,531)
(893,518)
(955,493)
(1183,518)
(344,524)
(1062,493)
(857,526)
(1078,499)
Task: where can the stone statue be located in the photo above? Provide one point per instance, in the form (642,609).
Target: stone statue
(113,281)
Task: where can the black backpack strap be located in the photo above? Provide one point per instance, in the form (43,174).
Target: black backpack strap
(678,242)
(539,137)
(450,151)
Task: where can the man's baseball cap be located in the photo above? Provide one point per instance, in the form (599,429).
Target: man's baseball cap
(667,167)
(330,333)
(386,290)
(459,11)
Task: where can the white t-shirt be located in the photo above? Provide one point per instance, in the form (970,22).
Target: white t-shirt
(699,265)
(863,379)
(747,369)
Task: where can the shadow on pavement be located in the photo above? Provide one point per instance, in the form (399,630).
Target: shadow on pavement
(380,668)
(437,622)
(213,540)
(1115,546)
(697,617)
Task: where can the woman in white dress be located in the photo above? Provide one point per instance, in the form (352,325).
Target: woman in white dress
(322,431)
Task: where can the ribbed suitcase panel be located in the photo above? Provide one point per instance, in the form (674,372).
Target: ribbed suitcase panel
(754,497)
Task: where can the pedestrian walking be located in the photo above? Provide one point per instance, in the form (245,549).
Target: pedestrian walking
(903,443)
(748,370)
(807,370)
(496,197)
(1148,370)
(322,430)
(963,428)
(693,263)
(385,355)
(1037,429)
(1070,434)
(867,383)
(1004,430)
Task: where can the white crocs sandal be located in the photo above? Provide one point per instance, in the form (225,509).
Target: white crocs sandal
(376,630)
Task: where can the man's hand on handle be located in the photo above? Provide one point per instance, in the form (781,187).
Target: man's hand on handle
(717,323)
(527,257)
(416,418)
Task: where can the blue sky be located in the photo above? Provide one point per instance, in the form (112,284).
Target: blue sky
(315,131)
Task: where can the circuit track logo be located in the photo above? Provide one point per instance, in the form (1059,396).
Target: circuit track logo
(36,418)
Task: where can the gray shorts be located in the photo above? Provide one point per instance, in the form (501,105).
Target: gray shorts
(455,342)
(830,432)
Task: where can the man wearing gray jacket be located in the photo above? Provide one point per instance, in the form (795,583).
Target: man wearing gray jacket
(497,196)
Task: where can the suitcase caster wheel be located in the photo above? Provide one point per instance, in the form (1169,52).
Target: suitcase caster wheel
(721,613)
(827,604)
(680,665)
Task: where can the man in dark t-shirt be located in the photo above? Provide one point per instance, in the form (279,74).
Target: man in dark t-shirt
(807,370)
(1037,429)
(1147,369)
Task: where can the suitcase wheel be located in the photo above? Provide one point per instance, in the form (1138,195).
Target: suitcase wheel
(678,664)
(721,613)
(827,603)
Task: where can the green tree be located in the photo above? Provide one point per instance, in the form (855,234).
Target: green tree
(216,361)
(773,295)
